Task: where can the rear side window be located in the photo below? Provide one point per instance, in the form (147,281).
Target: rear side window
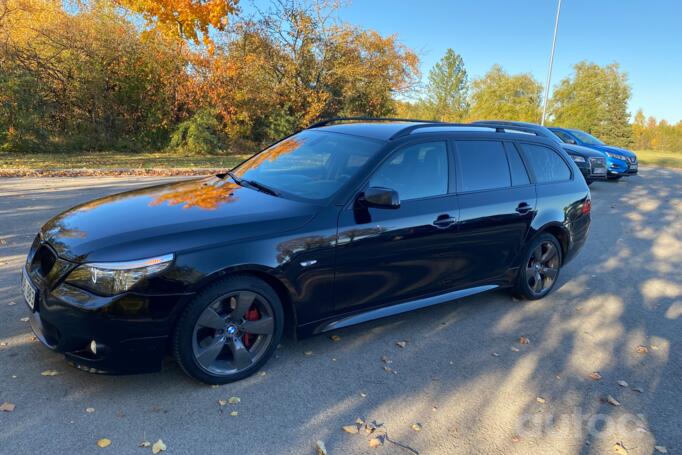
(547,165)
(482,165)
(519,175)
(417,171)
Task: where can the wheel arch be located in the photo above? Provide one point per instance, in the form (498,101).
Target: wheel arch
(559,231)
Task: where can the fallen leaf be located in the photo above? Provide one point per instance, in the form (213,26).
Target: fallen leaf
(359,421)
(234,413)
(363,394)
(387,369)
(516,438)
(524,340)
(24,319)
(222,402)
(515,349)
(417,426)
(661,449)
(622,383)
(7,407)
(234,400)
(335,338)
(89,410)
(320,448)
(386,359)
(308,353)
(145,444)
(49,373)
(495,354)
(540,400)
(595,376)
(352,429)
(262,373)
(104,442)
(11,303)
(612,401)
(375,442)
(401,344)
(642,349)
(638,389)
(158,446)
(654,347)
(620,449)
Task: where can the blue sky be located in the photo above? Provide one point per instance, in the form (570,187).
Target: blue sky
(644,36)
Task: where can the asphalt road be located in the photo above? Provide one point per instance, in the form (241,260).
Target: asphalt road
(463,375)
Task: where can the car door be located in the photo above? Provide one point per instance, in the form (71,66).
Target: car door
(385,256)
(497,203)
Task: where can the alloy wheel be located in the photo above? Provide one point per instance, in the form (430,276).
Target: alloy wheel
(233,332)
(542,267)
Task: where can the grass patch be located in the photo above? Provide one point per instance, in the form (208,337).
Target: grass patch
(116,160)
(660,158)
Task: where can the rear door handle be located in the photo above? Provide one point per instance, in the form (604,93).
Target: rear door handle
(444,221)
(523,207)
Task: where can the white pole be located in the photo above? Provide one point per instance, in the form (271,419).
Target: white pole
(551,63)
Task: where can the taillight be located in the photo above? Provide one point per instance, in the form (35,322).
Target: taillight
(587,206)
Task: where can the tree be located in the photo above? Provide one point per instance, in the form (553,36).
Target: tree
(448,89)
(501,96)
(595,99)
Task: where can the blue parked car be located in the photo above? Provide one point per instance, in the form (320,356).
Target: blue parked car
(619,162)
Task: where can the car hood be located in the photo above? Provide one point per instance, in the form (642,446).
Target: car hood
(609,148)
(582,151)
(170,218)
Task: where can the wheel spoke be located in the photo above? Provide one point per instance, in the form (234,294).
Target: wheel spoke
(209,318)
(550,272)
(241,357)
(537,286)
(207,355)
(262,326)
(530,271)
(537,253)
(244,301)
(549,254)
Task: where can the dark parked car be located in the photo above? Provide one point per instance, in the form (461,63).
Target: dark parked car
(619,161)
(592,164)
(339,224)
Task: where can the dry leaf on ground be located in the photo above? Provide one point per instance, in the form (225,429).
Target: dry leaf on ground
(24,319)
(234,400)
(335,338)
(145,444)
(49,373)
(620,449)
(612,401)
(386,359)
(524,340)
(417,426)
(308,353)
(320,448)
(642,349)
(622,383)
(638,389)
(401,344)
(375,442)
(234,413)
(515,349)
(516,438)
(222,402)
(7,407)
(352,429)
(595,376)
(661,449)
(89,410)
(12,303)
(158,446)
(104,442)
(540,400)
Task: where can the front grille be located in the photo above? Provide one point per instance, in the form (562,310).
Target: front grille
(632,159)
(43,260)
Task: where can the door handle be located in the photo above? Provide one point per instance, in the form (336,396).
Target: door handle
(523,208)
(444,221)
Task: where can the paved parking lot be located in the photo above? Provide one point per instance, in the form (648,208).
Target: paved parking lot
(462,375)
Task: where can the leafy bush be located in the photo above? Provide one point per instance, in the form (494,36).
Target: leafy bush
(199,135)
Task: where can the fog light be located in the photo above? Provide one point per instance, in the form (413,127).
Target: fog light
(93,347)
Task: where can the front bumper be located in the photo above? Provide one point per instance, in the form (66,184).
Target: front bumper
(131,331)
(617,167)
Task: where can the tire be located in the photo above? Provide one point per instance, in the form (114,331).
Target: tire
(218,352)
(526,286)
(589,182)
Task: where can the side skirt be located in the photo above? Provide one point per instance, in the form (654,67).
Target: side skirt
(391,310)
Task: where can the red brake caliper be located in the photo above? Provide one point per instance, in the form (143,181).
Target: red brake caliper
(252,315)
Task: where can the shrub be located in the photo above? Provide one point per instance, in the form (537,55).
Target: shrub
(201,134)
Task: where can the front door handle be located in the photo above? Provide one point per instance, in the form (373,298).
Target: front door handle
(444,221)
(523,208)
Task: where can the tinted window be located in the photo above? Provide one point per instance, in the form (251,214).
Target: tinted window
(483,165)
(310,164)
(417,171)
(547,165)
(564,136)
(519,175)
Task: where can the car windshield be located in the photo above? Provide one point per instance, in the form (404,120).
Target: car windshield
(310,164)
(586,138)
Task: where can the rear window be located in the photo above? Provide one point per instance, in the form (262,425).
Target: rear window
(482,165)
(546,164)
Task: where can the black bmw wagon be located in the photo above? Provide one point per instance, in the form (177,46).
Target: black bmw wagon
(344,222)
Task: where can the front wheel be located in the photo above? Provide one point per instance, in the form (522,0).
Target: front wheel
(229,330)
(539,269)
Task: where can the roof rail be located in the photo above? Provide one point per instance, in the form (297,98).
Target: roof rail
(502,127)
(366,119)
(407,130)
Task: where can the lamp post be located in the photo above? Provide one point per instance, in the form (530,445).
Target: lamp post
(551,63)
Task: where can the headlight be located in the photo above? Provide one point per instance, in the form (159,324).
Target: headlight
(110,278)
(616,156)
(578,159)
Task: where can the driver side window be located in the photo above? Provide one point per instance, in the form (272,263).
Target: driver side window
(416,171)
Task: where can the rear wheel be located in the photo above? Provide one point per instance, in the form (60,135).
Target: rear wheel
(229,330)
(540,268)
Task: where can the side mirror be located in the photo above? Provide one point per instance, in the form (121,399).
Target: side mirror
(380,198)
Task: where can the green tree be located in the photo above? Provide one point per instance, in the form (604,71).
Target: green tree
(501,96)
(448,89)
(595,99)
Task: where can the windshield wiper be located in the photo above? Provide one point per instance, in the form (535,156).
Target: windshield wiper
(260,187)
(232,175)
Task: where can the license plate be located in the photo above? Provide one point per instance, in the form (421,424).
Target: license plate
(29,291)
(633,166)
